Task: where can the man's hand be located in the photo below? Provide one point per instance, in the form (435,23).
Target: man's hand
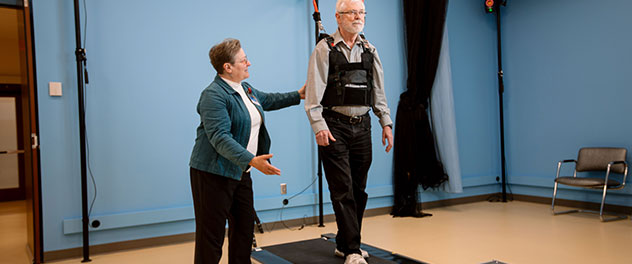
(323,137)
(301,91)
(261,163)
(387,135)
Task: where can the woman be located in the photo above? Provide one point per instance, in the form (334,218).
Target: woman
(231,139)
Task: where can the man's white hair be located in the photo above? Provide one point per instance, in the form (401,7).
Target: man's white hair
(341,4)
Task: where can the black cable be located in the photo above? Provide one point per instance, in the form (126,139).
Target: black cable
(287,227)
(85,41)
(268,229)
(285,202)
(85,100)
(497,197)
(510,197)
(305,189)
(94,183)
(85,23)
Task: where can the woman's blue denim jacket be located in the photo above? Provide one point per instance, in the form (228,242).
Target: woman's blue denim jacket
(222,137)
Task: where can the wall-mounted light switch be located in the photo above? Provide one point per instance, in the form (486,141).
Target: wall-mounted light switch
(54,88)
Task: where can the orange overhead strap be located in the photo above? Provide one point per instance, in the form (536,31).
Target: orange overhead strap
(316,16)
(319,24)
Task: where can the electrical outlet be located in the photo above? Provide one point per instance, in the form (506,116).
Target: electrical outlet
(283,188)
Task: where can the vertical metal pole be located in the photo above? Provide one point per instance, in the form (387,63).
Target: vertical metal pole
(320,162)
(501,90)
(320,191)
(80,54)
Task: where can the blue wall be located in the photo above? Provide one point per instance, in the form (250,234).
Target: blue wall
(472,36)
(148,63)
(568,72)
(566,67)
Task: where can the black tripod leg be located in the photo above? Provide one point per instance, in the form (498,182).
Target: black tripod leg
(258,223)
(259,228)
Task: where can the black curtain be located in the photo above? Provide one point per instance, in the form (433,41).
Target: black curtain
(415,158)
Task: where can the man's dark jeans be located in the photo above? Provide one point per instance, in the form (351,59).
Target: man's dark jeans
(346,162)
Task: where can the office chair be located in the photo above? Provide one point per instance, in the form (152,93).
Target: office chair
(606,160)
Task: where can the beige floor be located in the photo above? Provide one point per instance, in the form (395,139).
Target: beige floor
(13,233)
(514,232)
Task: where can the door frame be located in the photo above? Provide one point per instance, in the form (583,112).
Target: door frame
(30,129)
(35,206)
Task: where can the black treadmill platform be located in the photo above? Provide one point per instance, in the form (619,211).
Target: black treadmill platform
(321,251)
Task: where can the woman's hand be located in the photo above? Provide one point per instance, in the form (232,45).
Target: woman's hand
(301,91)
(261,163)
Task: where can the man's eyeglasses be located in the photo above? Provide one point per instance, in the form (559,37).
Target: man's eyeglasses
(354,13)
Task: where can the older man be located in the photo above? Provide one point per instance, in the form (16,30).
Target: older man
(345,81)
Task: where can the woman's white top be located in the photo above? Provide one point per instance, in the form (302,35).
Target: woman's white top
(255,116)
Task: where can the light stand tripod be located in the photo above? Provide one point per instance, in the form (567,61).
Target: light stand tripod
(494,7)
(318,27)
(80,53)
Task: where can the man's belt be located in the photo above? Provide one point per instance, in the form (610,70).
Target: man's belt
(345,118)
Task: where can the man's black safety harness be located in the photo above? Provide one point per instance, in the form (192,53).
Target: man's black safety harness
(348,83)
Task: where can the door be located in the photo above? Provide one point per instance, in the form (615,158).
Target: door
(17,80)
(11,144)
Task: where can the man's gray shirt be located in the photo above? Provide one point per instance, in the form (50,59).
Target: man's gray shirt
(317,73)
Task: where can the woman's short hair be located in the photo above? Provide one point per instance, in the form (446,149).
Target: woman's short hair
(224,52)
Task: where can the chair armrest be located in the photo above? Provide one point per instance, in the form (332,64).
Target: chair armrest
(625,164)
(559,165)
(625,171)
